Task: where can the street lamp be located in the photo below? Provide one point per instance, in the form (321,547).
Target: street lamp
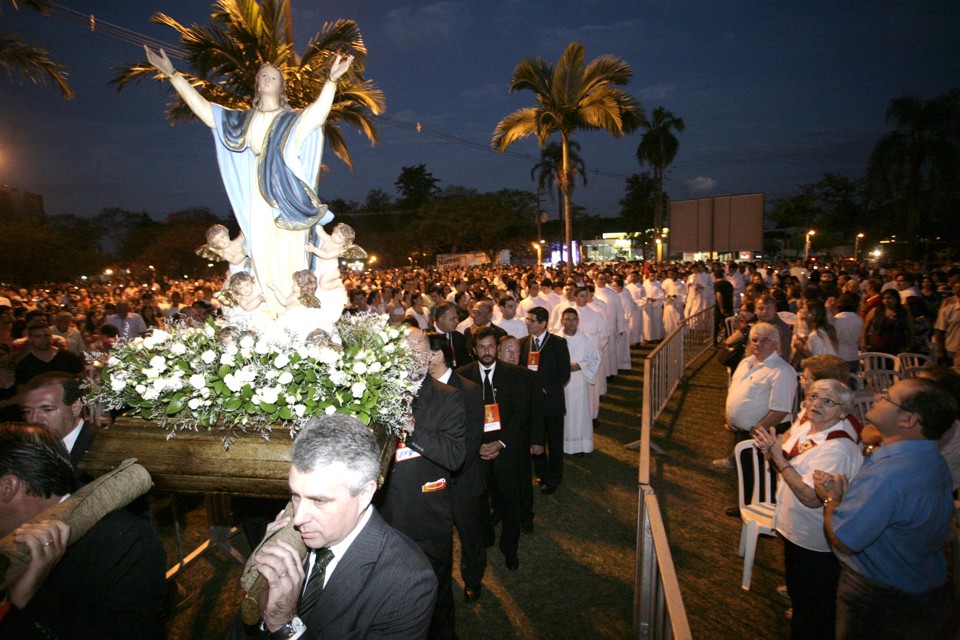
(659,242)
(539,248)
(856,246)
(806,247)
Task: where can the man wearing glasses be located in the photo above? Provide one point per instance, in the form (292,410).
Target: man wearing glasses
(889,524)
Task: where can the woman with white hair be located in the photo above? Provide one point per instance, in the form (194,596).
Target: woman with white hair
(819,440)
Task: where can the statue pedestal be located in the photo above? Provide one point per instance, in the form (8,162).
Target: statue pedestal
(196,462)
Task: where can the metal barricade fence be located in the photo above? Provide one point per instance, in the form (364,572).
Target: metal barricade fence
(658,605)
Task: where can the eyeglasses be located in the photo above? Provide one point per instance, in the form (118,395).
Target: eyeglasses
(756,340)
(885,395)
(825,401)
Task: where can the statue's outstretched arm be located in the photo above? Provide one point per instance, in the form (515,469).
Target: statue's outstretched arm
(316,114)
(197,103)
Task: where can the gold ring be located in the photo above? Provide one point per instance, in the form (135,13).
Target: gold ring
(48,542)
(283,574)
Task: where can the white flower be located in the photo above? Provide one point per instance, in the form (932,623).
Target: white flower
(208,356)
(338,378)
(140,388)
(289,399)
(375,367)
(178,348)
(194,403)
(299,409)
(198,381)
(285,378)
(150,394)
(246,342)
(247,373)
(271,374)
(118,384)
(330,410)
(150,374)
(255,399)
(158,362)
(303,352)
(270,395)
(281,361)
(205,392)
(358,388)
(328,356)
(359,368)
(227,358)
(262,347)
(390,348)
(113,361)
(231,349)
(210,331)
(233,382)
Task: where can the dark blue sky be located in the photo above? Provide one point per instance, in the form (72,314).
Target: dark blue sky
(773,95)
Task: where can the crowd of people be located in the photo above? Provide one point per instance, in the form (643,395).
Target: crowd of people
(528,351)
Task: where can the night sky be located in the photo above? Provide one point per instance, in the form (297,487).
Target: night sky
(773,95)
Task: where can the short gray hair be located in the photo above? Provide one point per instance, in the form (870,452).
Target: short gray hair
(836,388)
(765,330)
(329,439)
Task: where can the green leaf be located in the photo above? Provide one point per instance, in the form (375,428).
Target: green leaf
(219,388)
(310,375)
(145,412)
(105,374)
(246,392)
(267,408)
(223,370)
(233,403)
(177,403)
(285,413)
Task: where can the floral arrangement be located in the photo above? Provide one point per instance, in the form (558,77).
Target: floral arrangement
(219,376)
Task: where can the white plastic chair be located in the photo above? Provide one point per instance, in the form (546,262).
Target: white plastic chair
(756,515)
(880,379)
(788,316)
(877,360)
(909,360)
(912,372)
(862,401)
(731,325)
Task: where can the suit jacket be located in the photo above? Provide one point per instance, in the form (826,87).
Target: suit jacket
(553,371)
(468,481)
(459,346)
(511,392)
(84,441)
(383,587)
(109,584)
(416,496)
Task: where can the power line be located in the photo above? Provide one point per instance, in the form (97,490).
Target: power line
(109,29)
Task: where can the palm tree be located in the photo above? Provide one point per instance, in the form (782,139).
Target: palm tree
(571,97)
(548,172)
(922,156)
(658,148)
(224,57)
(21,59)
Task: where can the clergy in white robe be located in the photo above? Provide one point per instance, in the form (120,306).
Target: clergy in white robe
(616,323)
(635,287)
(595,327)
(584,362)
(674,291)
(629,313)
(653,309)
(699,291)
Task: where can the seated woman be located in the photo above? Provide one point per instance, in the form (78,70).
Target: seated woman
(818,440)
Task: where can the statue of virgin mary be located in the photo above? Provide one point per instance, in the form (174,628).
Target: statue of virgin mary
(269,158)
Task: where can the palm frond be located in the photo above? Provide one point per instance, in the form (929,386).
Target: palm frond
(24,62)
(519,124)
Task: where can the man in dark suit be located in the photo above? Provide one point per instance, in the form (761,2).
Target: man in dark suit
(371,580)
(416,498)
(109,583)
(55,400)
(548,356)
(506,438)
(467,487)
(481,317)
(445,321)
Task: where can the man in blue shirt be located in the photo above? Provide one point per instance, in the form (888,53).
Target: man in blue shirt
(889,525)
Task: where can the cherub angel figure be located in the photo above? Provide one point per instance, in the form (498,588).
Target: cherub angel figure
(221,247)
(303,293)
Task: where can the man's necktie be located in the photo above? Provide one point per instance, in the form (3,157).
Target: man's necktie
(537,343)
(487,388)
(311,593)
(453,352)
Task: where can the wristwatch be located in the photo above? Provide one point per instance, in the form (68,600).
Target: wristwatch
(289,630)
